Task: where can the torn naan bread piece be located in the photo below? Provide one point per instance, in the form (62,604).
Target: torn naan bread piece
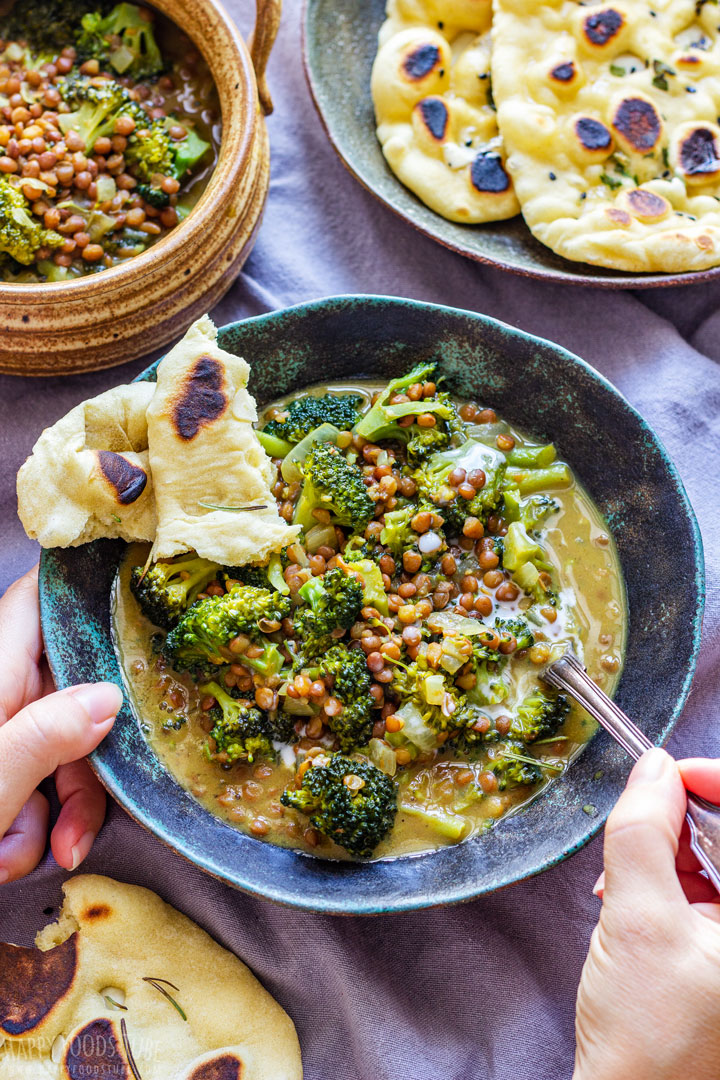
(123,977)
(609,114)
(88,475)
(436,120)
(206,459)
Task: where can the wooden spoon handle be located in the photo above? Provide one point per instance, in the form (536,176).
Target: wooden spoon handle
(260,44)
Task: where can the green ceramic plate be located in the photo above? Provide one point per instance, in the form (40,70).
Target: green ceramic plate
(339,46)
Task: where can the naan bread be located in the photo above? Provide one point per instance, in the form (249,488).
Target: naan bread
(88,474)
(204,449)
(56,1005)
(433,104)
(609,114)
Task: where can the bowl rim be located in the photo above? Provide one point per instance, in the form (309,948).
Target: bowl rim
(229,168)
(454,893)
(600,279)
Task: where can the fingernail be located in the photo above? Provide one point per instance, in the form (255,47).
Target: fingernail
(599,885)
(649,767)
(81,849)
(101,701)
(4,875)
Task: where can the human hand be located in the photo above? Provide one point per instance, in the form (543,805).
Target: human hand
(648,1006)
(44,732)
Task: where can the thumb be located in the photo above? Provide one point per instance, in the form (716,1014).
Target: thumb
(641,837)
(51,731)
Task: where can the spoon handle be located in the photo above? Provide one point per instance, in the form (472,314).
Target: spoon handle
(703,817)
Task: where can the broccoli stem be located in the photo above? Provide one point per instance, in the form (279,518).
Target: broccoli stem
(532,457)
(451,826)
(528,482)
(273,446)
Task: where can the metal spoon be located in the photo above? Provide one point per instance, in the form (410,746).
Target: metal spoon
(703,817)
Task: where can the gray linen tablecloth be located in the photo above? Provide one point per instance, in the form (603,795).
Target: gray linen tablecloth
(485,990)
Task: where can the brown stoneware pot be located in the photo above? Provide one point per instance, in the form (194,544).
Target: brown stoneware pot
(127,310)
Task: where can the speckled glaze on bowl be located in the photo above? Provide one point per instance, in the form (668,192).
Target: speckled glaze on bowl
(339,46)
(125,311)
(483,359)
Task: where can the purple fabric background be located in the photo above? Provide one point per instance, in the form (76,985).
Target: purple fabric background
(485,990)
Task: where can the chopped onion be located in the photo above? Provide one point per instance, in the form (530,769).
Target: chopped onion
(121,59)
(434,689)
(99,225)
(452,663)
(415,730)
(382,756)
(321,536)
(449,622)
(106,189)
(296,552)
(297,707)
(430,542)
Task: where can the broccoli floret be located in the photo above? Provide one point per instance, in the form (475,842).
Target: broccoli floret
(423,443)
(154,196)
(124,39)
(513,767)
(239,729)
(382,419)
(304,414)
(397,533)
(94,108)
(488,666)
(432,481)
(520,630)
(245,575)
(540,715)
(201,637)
(440,703)
(527,561)
(532,511)
(47,25)
(21,234)
(352,802)
(397,421)
(167,589)
(149,153)
(334,602)
(351,686)
(332,483)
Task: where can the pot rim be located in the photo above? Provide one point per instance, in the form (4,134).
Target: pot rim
(239,111)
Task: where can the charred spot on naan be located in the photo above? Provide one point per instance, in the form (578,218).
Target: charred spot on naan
(646,206)
(696,153)
(95,1050)
(202,398)
(421,61)
(487,173)
(618,217)
(224,1067)
(603,27)
(564,72)
(594,140)
(637,124)
(434,116)
(33,983)
(96,913)
(127,480)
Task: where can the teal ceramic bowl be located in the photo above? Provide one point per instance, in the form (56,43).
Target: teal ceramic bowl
(339,47)
(626,470)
